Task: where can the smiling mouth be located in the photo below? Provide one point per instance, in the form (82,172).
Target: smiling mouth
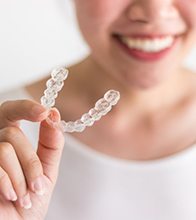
(147,48)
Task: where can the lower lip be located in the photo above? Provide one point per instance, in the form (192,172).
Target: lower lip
(145,56)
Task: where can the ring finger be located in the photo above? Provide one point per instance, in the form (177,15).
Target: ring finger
(10,164)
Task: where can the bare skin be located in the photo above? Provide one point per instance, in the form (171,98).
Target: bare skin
(131,130)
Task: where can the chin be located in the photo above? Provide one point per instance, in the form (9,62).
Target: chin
(143,82)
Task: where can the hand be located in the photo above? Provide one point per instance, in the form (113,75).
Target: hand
(27,178)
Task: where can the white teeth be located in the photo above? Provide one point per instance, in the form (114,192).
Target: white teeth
(154,45)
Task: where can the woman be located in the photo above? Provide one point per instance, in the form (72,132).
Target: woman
(138,162)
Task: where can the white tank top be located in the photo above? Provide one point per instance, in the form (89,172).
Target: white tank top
(94,186)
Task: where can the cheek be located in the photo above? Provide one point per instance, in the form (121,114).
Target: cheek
(188,11)
(93,11)
(98,13)
(95,17)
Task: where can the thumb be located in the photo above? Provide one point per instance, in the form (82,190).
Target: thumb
(50,145)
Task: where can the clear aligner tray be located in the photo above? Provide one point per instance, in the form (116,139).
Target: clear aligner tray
(101,108)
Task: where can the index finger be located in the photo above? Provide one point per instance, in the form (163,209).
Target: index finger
(13,111)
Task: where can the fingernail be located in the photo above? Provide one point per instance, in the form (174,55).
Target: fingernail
(54,118)
(38,186)
(25,202)
(12,195)
(54,115)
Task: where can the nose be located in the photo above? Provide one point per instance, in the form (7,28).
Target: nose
(147,11)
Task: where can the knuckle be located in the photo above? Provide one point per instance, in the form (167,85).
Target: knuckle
(6,149)
(20,182)
(3,109)
(25,103)
(4,105)
(20,185)
(10,133)
(33,164)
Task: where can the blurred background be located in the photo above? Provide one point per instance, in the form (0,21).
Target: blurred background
(38,35)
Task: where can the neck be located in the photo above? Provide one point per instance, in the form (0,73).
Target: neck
(96,82)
